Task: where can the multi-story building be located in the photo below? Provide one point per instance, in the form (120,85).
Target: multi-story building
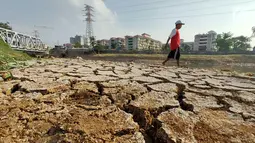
(142,42)
(205,42)
(72,40)
(77,39)
(103,42)
(116,43)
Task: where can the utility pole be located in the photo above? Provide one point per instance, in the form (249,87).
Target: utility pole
(88,19)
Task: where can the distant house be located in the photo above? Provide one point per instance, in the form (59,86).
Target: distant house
(253,49)
(68,45)
(116,43)
(103,42)
(77,39)
(205,42)
(142,42)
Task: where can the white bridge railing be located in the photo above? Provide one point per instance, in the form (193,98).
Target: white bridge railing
(21,41)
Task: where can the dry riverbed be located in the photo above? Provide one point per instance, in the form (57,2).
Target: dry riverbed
(75,100)
(237,63)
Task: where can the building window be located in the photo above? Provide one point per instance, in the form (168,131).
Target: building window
(203,39)
(202,48)
(204,36)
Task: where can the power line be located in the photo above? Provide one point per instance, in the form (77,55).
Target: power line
(186,16)
(147,3)
(243,2)
(142,4)
(154,8)
(44,27)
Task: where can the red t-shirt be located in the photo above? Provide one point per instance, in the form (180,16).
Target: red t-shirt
(175,39)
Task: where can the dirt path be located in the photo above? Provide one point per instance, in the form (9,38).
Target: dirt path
(75,100)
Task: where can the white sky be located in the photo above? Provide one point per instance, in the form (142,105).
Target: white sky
(116,18)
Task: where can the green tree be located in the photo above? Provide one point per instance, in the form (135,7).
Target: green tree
(114,45)
(92,41)
(185,48)
(5,25)
(224,42)
(241,43)
(99,48)
(77,45)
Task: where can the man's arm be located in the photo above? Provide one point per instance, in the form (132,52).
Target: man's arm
(170,36)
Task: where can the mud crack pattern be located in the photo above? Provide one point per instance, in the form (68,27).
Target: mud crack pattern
(75,100)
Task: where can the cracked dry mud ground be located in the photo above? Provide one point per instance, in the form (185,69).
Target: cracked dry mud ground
(74,100)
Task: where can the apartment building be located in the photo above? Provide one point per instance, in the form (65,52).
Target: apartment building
(103,42)
(77,39)
(142,42)
(205,42)
(116,43)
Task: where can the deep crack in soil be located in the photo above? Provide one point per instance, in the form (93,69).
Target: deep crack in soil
(105,105)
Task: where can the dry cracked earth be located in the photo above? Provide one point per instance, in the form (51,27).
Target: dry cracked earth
(75,101)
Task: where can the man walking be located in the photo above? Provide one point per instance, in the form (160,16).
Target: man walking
(175,43)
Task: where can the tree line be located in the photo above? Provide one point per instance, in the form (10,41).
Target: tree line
(5,25)
(226,42)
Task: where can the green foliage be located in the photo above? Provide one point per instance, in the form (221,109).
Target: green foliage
(241,43)
(114,45)
(224,42)
(92,41)
(185,48)
(5,25)
(8,55)
(99,48)
(77,45)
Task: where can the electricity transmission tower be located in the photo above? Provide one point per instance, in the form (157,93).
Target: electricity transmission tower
(36,33)
(88,18)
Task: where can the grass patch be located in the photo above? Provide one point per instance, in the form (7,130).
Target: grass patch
(8,55)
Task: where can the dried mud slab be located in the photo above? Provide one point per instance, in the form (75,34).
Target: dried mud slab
(76,100)
(200,102)
(208,126)
(48,119)
(164,87)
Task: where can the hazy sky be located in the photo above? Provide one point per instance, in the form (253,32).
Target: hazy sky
(117,18)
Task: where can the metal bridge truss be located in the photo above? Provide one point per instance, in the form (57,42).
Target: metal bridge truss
(21,41)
